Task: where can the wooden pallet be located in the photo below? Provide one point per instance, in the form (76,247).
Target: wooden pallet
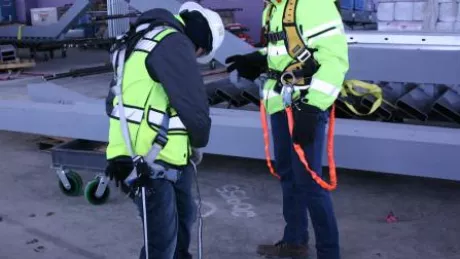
(17,64)
(46,143)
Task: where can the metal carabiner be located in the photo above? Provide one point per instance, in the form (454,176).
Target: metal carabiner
(287,87)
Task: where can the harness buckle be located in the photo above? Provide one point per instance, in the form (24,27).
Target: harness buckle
(161,138)
(302,54)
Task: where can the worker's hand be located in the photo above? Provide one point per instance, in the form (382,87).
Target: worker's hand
(197,156)
(119,168)
(143,175)
(306,121)
(249,66)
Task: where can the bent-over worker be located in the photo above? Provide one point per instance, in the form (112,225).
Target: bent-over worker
(165,105)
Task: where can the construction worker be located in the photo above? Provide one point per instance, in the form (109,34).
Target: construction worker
(165,112)
(305,38)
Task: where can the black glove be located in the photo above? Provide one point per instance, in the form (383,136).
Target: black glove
(249,66)
(119,168)
(143,175)
(306,120)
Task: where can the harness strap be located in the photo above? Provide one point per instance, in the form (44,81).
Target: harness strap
(147,42)
(275,36)
(160,172)
(120,60)
(301,54)
(161,139)
(301,85)
(295,45)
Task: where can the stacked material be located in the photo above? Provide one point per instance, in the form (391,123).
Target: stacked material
(358,5)
(418,15)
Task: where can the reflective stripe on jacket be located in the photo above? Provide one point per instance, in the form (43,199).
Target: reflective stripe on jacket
(145,103)
(321,27)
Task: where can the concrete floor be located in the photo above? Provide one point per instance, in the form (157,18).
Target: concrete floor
(38,221)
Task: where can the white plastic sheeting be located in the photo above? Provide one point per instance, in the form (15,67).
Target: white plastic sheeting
(117,26)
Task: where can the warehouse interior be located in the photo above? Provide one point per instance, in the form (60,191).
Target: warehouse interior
(397,164)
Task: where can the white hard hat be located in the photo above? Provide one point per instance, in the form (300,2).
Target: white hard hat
(215,23)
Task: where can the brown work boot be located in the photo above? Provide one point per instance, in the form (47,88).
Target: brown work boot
(282,250)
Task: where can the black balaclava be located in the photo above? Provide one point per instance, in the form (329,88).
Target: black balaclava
(197,29)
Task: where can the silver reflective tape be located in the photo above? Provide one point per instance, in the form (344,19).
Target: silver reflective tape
(145,45)
(153,33)
(132,114)
(155,117)
(176,123)
(325,87)
(142,27)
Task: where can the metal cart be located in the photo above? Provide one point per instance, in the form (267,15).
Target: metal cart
(69,157)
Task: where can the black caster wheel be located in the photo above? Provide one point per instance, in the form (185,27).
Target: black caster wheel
(76,184)
(90,193)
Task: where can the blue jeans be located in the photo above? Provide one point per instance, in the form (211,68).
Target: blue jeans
(301,192)
(171,212)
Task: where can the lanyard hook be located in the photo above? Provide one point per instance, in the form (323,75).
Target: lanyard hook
(288,81)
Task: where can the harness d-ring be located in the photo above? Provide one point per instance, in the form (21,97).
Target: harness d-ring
(284,81)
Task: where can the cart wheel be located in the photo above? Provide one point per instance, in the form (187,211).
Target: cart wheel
(76,184)
(90,193)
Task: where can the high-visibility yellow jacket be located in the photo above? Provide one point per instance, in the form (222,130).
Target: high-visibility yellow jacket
(321,27)
(160,77)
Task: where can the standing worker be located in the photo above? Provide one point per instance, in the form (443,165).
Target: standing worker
(159,118)
(307,50)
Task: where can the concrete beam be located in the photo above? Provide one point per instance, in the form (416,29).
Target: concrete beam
(49,92)
(405,63)
(362,145)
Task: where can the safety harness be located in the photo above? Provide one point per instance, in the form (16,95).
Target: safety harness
(298,75)
(119,56)
(145,165)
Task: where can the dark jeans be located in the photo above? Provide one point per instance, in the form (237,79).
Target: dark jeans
(301,192)
(171,212)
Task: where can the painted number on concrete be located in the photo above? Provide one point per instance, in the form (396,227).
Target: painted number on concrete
(234,196)
(207,208)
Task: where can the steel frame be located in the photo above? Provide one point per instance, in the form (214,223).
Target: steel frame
(404,63)
(361,145)
(52,31)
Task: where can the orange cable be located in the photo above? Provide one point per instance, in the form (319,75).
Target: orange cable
(263,117)
(330,149)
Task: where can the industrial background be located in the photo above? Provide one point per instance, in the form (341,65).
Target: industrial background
(397,164)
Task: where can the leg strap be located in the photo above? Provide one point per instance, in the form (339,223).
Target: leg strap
(172,175)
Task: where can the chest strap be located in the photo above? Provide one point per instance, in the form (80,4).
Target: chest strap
(274,37)
(161,138)
(303,65)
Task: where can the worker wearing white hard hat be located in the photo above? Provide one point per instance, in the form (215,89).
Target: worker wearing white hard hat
(161,79)
(215,24)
